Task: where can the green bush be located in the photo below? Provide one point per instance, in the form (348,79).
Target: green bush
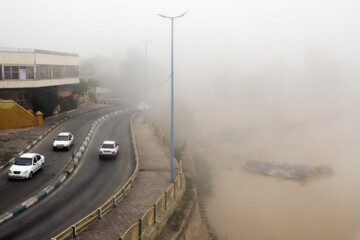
(203,170)
(179,212)
(178,150)
(45,100)
(67,104)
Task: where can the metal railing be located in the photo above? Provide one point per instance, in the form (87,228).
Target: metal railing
(135,231)
(29,50)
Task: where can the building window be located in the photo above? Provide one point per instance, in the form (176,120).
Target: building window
(71,71)
(43,72)
(58,71)
(7,72)
(18,72)
(22,73)
(29,72)
(1,72)
(15,72)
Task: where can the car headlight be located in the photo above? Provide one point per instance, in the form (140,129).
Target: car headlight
(9,172)
(26,171)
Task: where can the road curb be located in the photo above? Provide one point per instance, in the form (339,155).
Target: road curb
(72,165)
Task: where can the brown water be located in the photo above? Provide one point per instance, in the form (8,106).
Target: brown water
(250,206)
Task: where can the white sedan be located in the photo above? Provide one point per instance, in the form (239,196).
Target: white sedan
(108,149)
(141,106)
(26,165)
(64,140)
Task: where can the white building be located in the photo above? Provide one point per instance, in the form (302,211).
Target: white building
(24,69)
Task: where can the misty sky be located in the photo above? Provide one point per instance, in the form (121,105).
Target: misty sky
(229,28)
(216,41)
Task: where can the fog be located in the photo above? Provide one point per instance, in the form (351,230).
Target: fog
(265,80)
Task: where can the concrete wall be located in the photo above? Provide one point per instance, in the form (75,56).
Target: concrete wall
(193,227)
(37,83)
(17,58)
(13,58)
(13,115)
(26,58)
(50,59)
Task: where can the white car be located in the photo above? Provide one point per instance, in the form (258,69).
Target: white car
(26,165)
(64,140)
(108,149)
(141,106)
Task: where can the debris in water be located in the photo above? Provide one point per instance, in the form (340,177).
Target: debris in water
(287,170)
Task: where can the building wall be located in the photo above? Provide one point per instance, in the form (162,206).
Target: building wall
(15,58)
(24,69)
(25,58)
(37,83)
(37,68)
(20,95)
(56,59)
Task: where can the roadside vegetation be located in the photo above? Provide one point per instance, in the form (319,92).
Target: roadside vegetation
(48,101)
(203,171)
(179,214)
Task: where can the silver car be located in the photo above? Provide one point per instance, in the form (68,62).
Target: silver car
(64,140)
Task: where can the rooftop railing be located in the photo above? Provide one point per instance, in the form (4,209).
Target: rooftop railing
(28,50)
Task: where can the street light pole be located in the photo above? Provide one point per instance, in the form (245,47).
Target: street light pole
(145,75)
(172,92)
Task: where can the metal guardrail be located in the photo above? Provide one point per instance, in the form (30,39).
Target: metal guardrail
(97,214)
(135,231)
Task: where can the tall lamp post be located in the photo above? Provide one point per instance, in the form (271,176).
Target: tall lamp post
(145,75)
(172,91)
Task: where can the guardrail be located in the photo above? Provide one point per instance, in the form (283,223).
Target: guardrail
(136,230)
(99,212)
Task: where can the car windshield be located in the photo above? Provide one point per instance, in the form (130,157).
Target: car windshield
(62,138)
(107,146)
(23,161)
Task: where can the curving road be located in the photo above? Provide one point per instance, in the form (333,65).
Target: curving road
(92,184)
(15,192)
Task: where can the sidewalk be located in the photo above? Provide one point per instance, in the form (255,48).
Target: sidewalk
(15,140)
(152,180)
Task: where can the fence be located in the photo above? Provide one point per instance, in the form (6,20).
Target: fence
(97,214)
(136,230)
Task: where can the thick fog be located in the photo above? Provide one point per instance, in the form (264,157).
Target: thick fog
(266,80)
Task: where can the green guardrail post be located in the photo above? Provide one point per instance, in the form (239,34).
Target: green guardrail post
(154,212)
(140,228)
(181,179)
(165,200)
(74,230)
(175,190)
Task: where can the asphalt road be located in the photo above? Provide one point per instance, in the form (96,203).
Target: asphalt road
(15,192)
(92,184)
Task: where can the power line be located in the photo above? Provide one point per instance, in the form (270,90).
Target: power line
(161,83)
